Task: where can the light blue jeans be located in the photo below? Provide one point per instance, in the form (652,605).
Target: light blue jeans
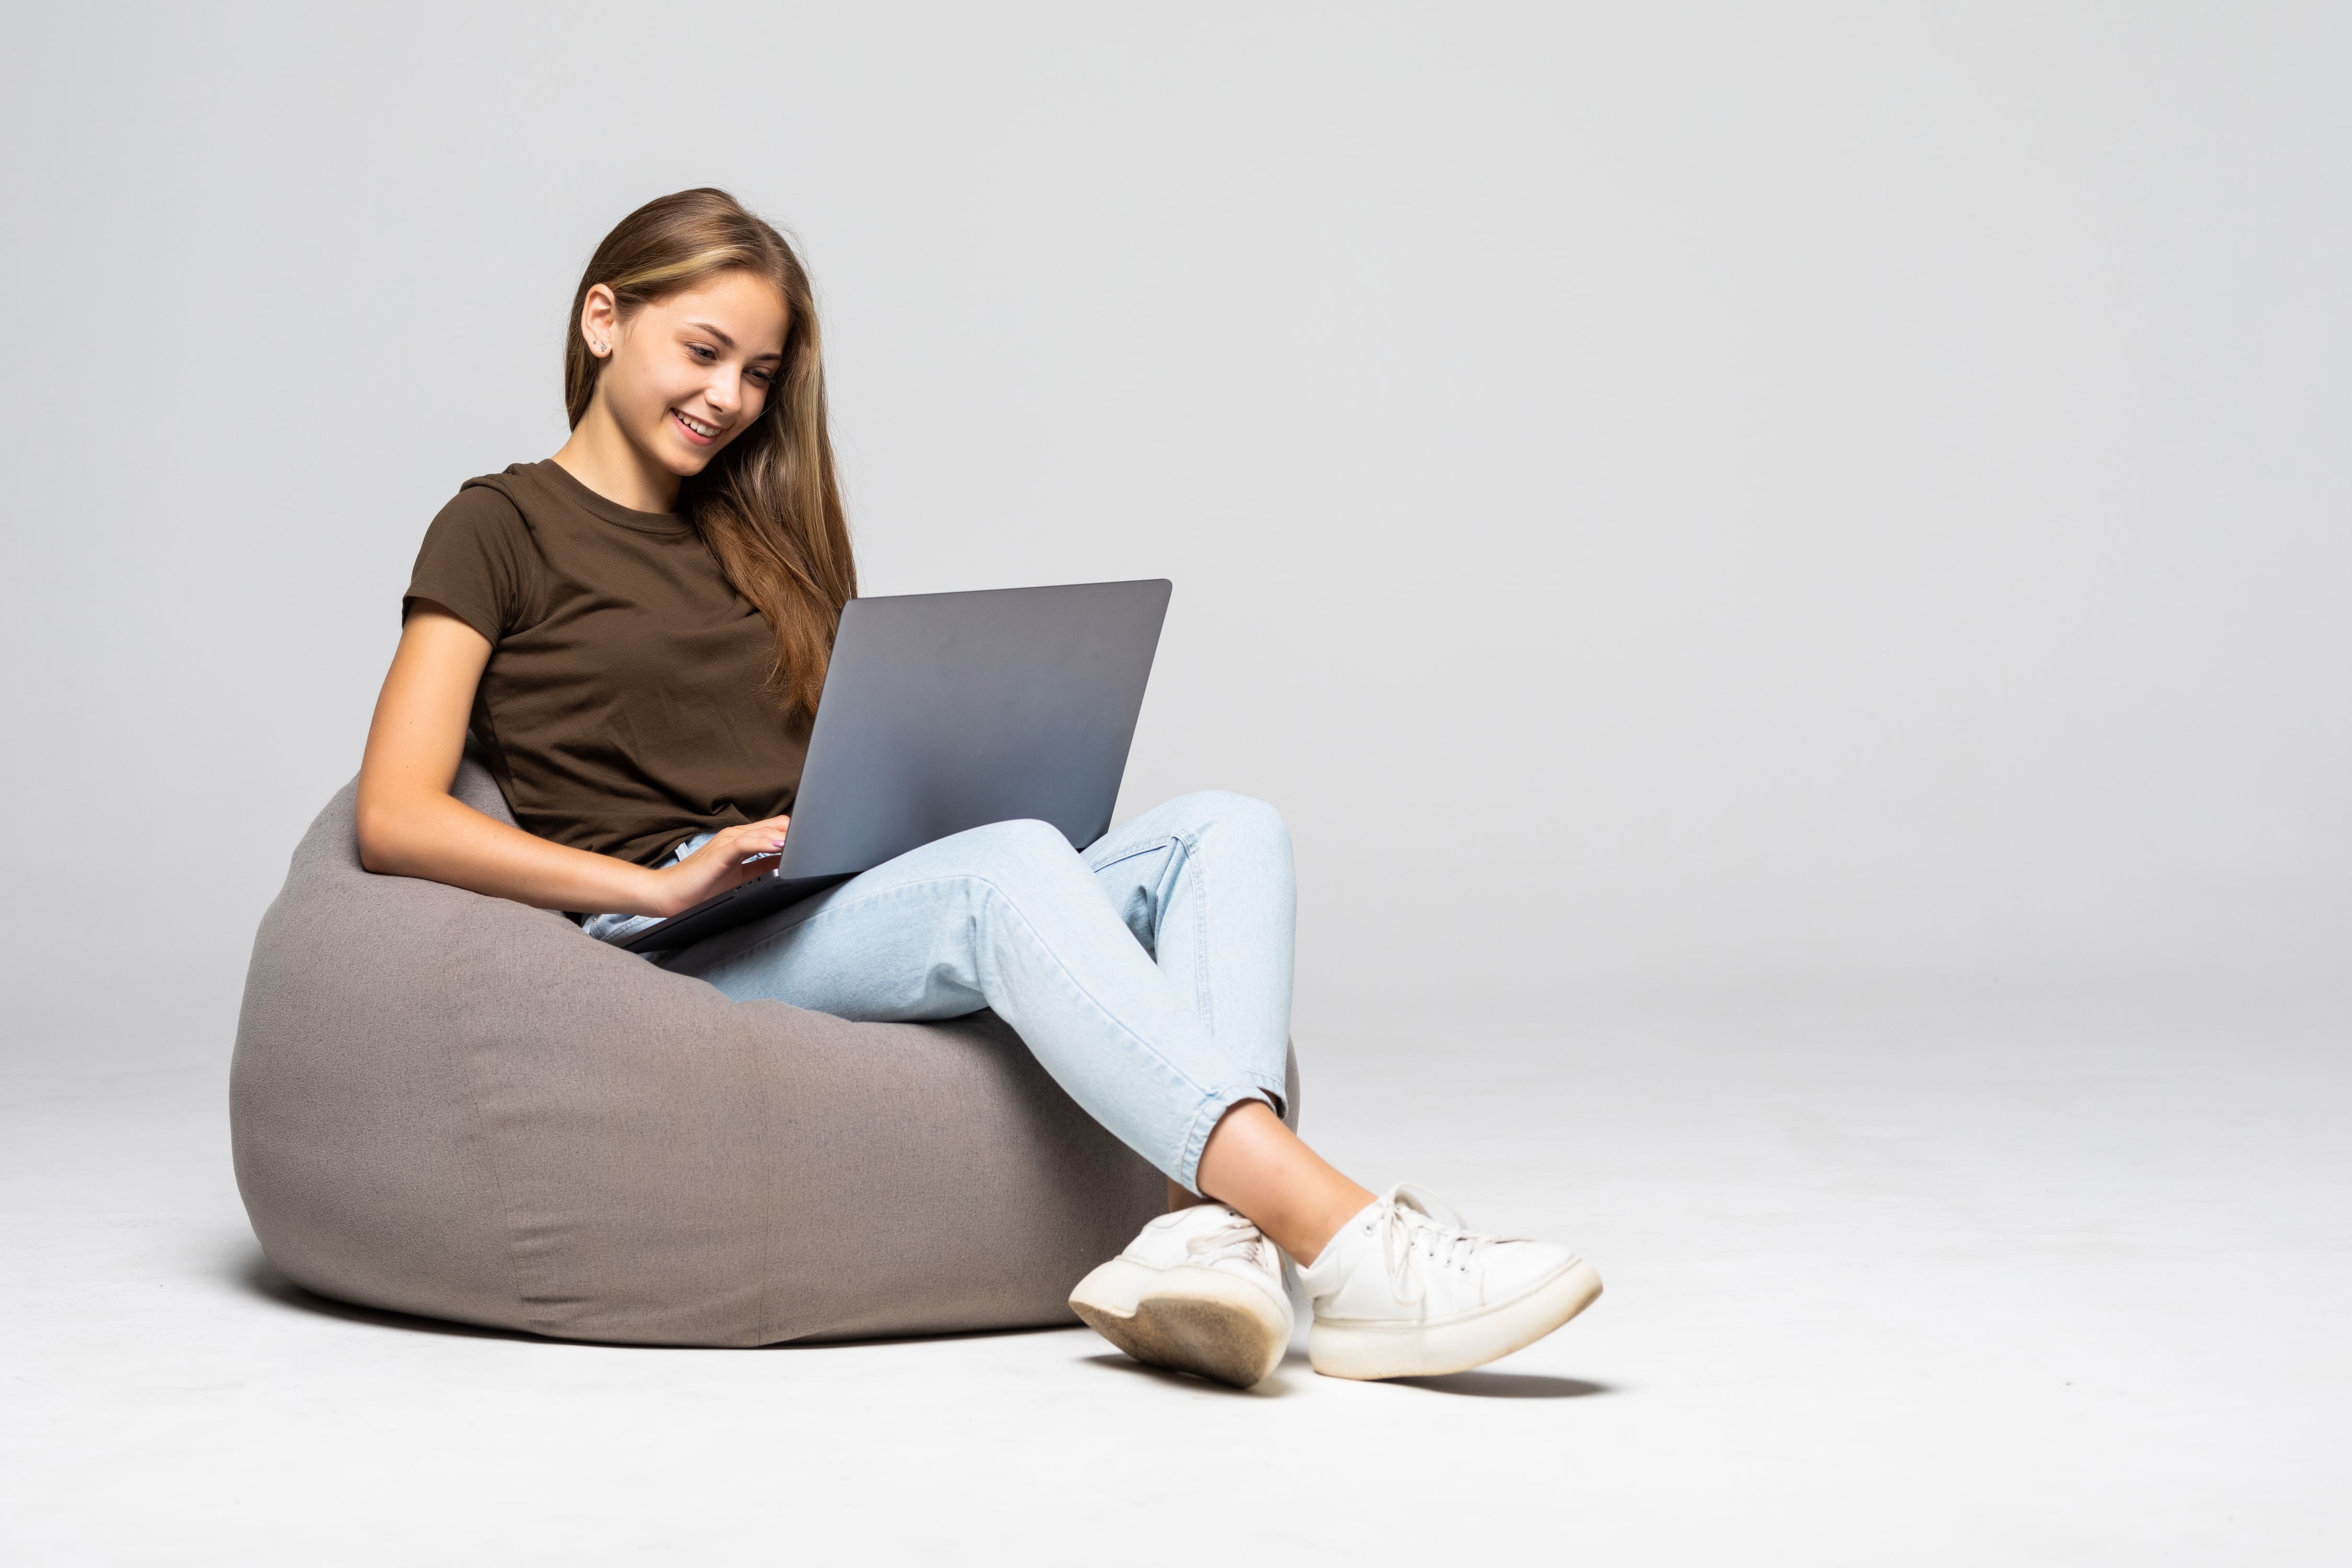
(1150,972)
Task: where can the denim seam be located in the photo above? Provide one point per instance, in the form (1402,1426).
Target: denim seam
(1205,1000)
(1148,846)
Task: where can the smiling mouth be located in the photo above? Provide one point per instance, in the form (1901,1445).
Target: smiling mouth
(698,433)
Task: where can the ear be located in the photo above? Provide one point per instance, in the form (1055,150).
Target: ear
(600,321)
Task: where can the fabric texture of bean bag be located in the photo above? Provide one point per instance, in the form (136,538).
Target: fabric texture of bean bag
(461,1107)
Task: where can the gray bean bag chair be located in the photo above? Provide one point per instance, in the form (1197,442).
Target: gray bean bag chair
(461,1107)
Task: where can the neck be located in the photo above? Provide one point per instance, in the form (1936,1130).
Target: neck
(600,456)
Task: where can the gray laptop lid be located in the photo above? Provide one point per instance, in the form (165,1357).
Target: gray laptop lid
(948,711)
(944,711)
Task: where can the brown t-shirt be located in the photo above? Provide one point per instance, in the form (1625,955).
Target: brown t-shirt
(624,706)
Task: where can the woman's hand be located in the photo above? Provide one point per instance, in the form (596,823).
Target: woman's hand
(733,857)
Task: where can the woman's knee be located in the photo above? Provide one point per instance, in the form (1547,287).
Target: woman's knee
(1240,815)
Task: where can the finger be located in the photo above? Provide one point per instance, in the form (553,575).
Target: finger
(748,844)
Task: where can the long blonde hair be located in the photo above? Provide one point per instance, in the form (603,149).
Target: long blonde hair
(769,505)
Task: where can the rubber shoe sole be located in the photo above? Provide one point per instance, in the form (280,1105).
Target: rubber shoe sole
(1372,1351)
(1186,1318)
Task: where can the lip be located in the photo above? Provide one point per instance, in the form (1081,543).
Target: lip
(690,432)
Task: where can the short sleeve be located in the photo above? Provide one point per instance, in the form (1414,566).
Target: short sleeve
(478,562)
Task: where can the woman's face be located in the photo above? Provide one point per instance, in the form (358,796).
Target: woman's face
(688,374)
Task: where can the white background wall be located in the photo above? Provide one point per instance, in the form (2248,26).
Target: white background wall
(1663,496)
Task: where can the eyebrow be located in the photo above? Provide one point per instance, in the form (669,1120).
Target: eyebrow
(723,338)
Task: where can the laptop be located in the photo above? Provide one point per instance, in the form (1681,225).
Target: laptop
(948,711)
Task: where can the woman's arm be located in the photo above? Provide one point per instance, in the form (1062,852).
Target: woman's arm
(410,825)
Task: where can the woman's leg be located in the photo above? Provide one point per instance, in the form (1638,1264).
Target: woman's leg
(1006,917)
(1257,1167)
(1205,884)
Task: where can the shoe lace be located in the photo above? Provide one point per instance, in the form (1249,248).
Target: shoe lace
(1419,1236)
(1237,1239)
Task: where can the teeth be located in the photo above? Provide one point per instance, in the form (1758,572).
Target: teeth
(696,426)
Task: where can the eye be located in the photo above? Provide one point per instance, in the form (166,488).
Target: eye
(764,377)
(703,352)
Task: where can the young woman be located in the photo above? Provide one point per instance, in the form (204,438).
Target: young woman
(636,632)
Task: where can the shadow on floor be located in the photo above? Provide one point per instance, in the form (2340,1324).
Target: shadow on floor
(1272,1388)
(1296,1373)
(1508,1385)
(253,1273)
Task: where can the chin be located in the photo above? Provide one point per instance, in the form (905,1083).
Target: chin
(680,458)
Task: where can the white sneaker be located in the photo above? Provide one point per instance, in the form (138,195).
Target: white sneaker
(1199,1290)
(1404,1291)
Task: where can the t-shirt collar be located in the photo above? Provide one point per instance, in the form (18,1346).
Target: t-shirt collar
(552,474)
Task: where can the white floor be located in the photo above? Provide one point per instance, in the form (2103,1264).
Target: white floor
(1955,1281)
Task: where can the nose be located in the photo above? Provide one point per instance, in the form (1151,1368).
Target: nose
(725,391)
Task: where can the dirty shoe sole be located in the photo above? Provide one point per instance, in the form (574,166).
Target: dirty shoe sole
(1375,1349)
(1186,1318)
